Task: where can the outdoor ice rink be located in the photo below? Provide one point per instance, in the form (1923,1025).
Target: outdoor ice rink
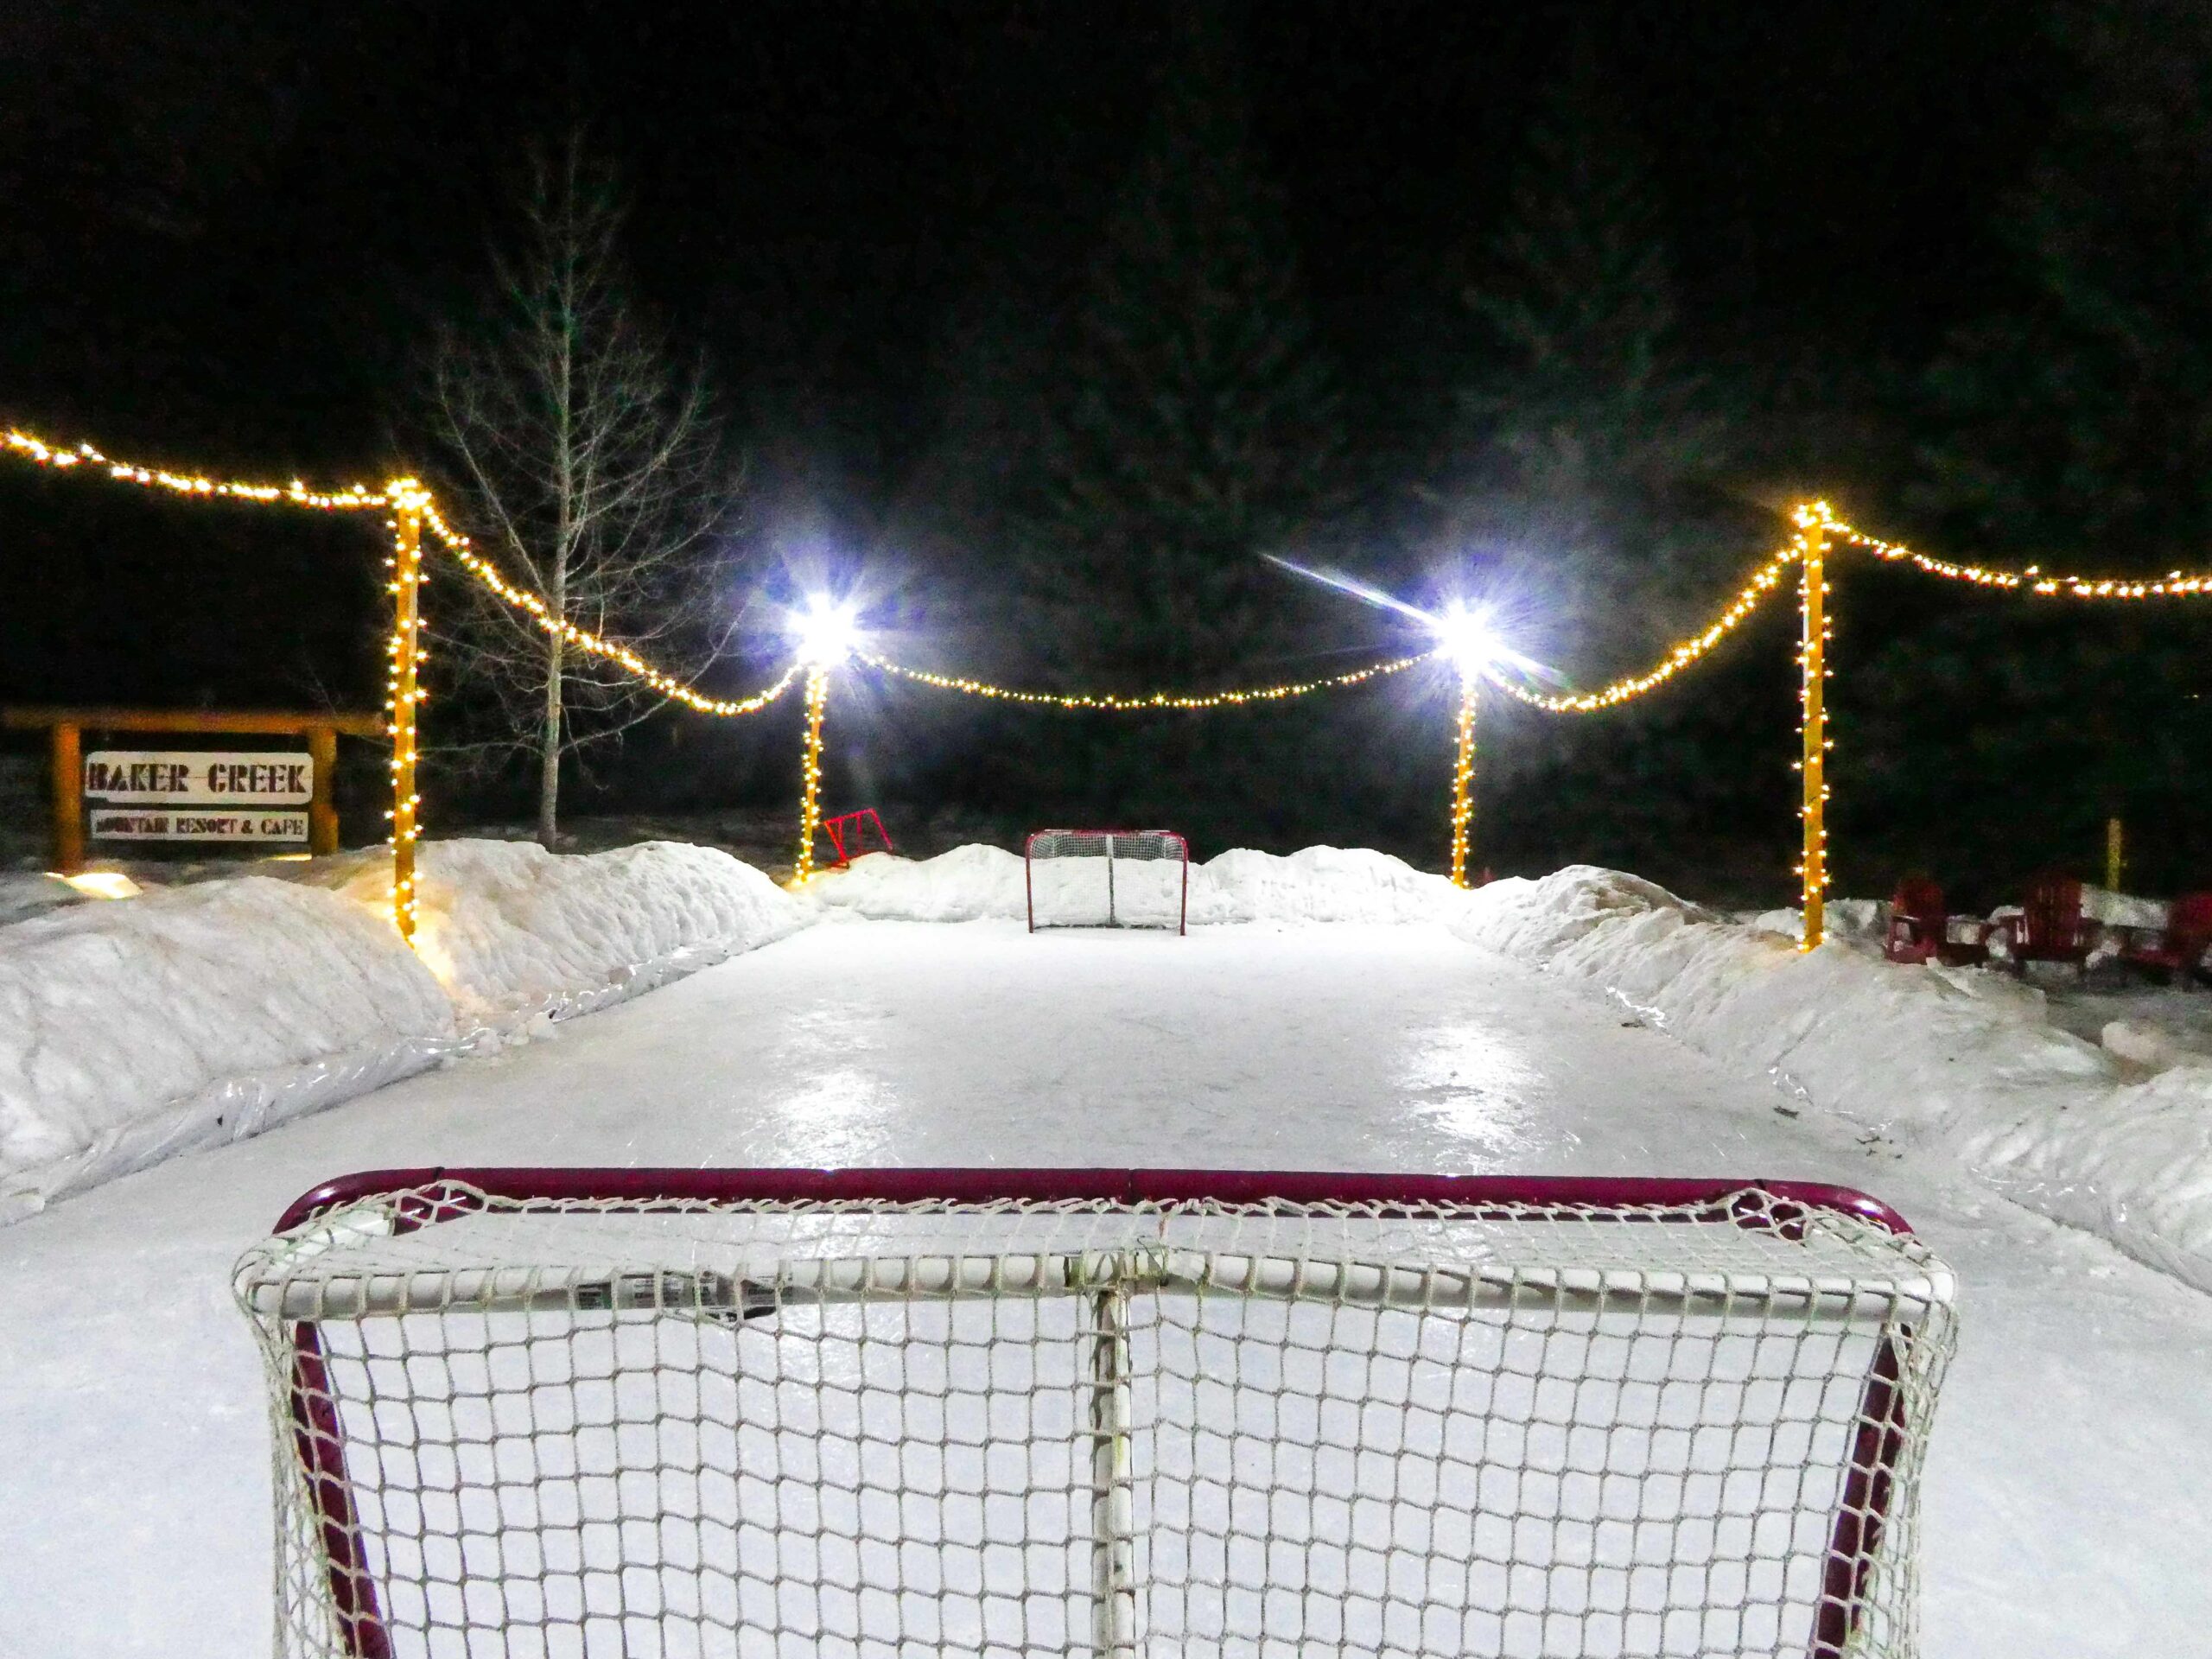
(2066,1514)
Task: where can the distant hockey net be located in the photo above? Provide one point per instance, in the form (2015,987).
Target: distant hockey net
(1107,878)
(776,1413)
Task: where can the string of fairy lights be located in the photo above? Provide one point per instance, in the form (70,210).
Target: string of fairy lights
(410,506)
(810,811)
(1462,778)
(540,612)
(1110,703)
(1766,580)
(411,509)
(403,701)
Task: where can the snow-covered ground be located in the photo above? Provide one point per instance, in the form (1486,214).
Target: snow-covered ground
(137,1028)
(132,1030)
(1953,1065)
(2066,1514)
(209,1012)
(1320,884)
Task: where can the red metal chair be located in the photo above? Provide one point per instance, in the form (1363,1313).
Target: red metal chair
(2050,927)
(2178,951)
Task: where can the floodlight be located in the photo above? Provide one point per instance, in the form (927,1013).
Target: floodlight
(826,634)
(1468,637)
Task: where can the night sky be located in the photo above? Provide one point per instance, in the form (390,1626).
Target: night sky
(230,225)
(227,221)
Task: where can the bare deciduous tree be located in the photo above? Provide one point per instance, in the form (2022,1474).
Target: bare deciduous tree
(592,468)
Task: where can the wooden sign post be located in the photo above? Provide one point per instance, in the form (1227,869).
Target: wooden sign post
(67,727)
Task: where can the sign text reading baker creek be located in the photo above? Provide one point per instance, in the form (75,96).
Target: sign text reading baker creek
(228,795)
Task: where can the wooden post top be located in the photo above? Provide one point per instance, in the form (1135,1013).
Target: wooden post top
(265,722)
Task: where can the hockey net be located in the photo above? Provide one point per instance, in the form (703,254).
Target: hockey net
(702,1412)
(1107,878)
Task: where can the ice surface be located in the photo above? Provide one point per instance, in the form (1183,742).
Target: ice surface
(2066,1512)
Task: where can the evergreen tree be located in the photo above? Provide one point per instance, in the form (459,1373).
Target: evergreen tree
(2081,413)
(1581,491)
(1195,428)
(1583,440)
(2075,426)
(1199,428)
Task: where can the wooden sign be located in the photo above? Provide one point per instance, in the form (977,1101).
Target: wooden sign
(227,795)
(196,823)
(199,794)
(199,778)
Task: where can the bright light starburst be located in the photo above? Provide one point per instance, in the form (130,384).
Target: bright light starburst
(1468,634)
(828,633)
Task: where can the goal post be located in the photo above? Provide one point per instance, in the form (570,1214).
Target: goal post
(1094,1411)
(1107,878)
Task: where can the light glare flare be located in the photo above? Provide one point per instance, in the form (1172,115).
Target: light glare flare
(103,884)
(1467,639)
(828,633)
(1468,634)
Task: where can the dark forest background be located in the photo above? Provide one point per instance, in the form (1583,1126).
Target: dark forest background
(1040,322)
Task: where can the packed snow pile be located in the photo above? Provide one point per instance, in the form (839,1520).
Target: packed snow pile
(1922,1056)
(134,1030)
(1320,884)
(969,884)
(514,932)
(1854,921)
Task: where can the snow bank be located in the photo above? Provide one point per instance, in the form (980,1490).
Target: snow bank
(1923,1056)
(969,884)
(134,1030)
(974,883)
(515,933)
(1319,884)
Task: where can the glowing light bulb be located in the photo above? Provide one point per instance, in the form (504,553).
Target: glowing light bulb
(1468,637)
(827,633)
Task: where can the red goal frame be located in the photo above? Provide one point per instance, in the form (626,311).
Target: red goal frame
(1029,889)
(1862,1506)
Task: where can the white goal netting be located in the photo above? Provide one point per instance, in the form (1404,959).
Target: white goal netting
(1107,878)
(677,1428)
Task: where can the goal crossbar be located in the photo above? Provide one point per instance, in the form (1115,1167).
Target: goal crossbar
(413,1190)
(1724,1286)
(840,1280)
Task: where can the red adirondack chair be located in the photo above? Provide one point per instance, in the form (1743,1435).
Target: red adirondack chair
(2178,951)
(2050,927)
(1921,929)
(1917,921)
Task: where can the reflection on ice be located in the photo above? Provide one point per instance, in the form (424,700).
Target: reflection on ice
(1475,1087)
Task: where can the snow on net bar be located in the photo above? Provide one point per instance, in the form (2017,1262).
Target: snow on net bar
(701,1412)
